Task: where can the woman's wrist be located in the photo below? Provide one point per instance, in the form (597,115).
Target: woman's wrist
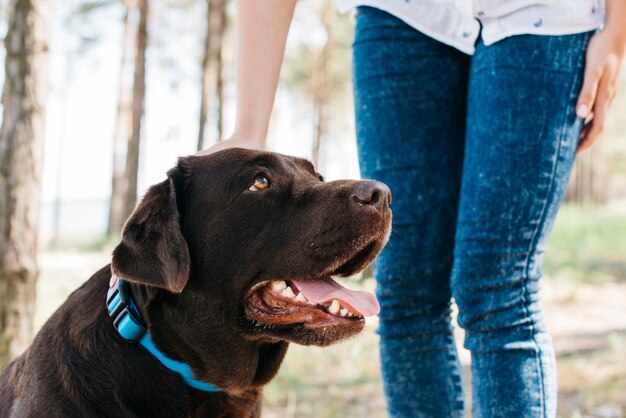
(256,138)
(252,131)
(618,37)
(235,142)
(615,23)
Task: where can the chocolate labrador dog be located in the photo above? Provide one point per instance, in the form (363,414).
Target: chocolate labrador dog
(220,267)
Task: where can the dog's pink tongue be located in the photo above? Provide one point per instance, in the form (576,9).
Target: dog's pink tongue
(326,289)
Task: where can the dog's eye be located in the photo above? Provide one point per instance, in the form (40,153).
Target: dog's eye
(260,183)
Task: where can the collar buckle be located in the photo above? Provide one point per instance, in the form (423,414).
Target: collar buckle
(126,318)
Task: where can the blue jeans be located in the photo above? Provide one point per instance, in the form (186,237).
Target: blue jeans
(477,152)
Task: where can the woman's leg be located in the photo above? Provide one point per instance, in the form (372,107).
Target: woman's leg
(521,139)
(410,98)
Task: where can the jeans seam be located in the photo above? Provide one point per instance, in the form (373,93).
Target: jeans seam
(534,241)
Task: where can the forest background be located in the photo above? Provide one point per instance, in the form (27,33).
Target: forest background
(101,97)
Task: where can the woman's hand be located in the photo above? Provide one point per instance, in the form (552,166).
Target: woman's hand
(235,141)
(605,53)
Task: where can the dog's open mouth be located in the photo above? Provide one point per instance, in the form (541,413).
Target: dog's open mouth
(316,303)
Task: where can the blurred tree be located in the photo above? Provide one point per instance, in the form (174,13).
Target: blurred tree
(21,143)
(138,96)
(212,92)
(122,124)
(321,80)
(83,24)
(131,95)
(590,179)
(318,67)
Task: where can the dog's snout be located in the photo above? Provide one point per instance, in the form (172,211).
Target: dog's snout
(372,193)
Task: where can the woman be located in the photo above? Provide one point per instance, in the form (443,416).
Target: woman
(473,119)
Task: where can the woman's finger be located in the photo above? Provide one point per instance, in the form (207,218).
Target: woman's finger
(584,132)
(587,96)
(600,111)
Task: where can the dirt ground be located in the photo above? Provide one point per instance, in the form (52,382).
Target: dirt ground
(588,324)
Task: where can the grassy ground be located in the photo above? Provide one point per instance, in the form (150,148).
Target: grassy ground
(584,298)
(588,246)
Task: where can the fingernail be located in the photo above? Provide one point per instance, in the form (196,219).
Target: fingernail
(582,111)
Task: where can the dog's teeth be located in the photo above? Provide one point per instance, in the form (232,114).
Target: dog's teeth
(343,311)
(287,292)
(334,307)
(279,285)
(301,298)
(350,314)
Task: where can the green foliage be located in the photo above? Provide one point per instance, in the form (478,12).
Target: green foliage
(588,245)
(86,22)
(91,6)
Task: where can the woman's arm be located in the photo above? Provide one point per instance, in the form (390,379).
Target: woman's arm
(261,27)
(605,54)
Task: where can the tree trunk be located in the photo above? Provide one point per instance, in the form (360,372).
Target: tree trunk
(139,91)
(322,83)
(122,125)
(589,182)
(212,93)
(21,143)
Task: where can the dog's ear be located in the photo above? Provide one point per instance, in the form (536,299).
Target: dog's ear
(153,250)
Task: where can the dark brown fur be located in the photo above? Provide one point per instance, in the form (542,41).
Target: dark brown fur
(192,249)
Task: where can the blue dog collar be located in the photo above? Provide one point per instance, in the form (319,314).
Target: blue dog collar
(132,328)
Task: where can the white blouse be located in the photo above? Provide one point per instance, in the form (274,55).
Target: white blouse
(458,22)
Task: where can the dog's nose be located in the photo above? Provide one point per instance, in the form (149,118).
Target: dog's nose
(372,193)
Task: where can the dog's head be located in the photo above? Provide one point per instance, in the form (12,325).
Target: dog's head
(246,241)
